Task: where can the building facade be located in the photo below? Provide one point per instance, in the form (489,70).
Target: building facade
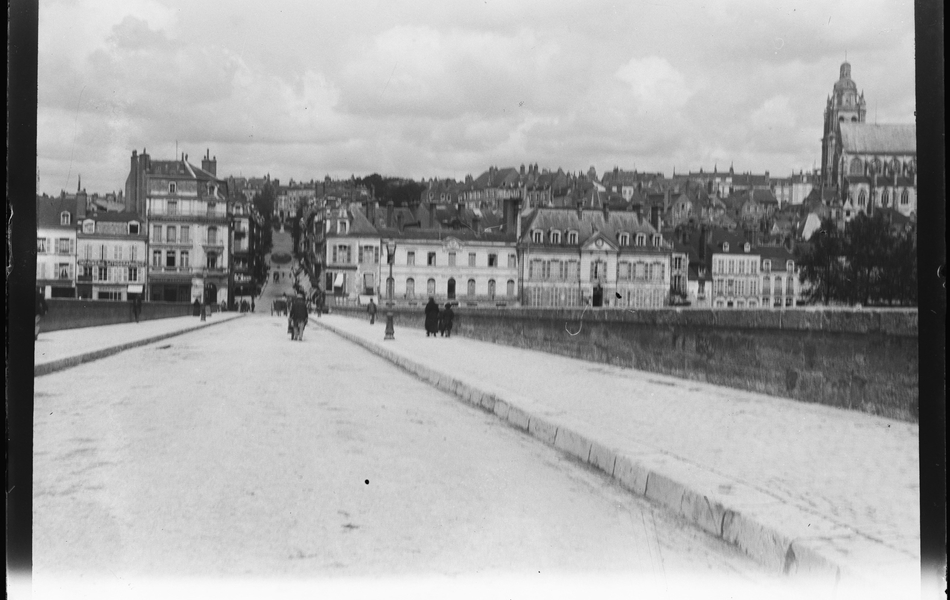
(56,244)
(112,256)
(185,209)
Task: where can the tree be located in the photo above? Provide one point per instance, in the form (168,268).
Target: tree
(865,264)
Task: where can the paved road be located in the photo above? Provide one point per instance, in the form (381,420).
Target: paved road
(232,452)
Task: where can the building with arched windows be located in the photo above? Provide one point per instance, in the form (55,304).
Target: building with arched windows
(870,165)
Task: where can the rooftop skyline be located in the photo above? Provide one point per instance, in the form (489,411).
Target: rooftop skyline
(422,89)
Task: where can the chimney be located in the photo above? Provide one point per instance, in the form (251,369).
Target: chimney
(655,217)
(210,164)
(431,207)
(371,213)
(389,214)
(511,214)
(80,206)
(636,209)
(399,221)
(477,224)
(606,213)
(580,210)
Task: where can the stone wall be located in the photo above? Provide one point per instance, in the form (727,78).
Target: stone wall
(68,313)
(858,359)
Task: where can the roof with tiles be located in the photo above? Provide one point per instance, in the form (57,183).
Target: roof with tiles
(115,217)
(879,139)
(49,209)
(586,223)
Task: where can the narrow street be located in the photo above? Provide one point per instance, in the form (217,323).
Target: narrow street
(232,452)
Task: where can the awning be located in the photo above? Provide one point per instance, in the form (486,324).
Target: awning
(338,280)
(136,289)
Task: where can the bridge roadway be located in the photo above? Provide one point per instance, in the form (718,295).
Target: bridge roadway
(230,452)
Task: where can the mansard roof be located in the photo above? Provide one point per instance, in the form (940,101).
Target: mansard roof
(868,138)
(585,222)
(49,209)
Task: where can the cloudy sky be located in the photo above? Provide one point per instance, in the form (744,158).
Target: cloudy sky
(301,89)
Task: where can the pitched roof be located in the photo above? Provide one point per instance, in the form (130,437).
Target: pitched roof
(890,139)
(49,209)
(585,223)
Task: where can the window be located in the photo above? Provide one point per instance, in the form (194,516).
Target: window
(471,287)
(342,227)
(537,236)
(678,263)
(857,167)
(789,286)
(430,287)
(170,258)
(156,233)
(725,248)
(624,271)
(659,273)
(493,260)
(172,207)
(471,259)
(171,234)
(790,266)
(211,189)
(89,226)
(172,188)
(597,270)
(572,237)
(430,259)
(369,283)
(212,236)
(156,258)
(624,239)
(656,241)
(117,252)
(87,273)
(212,260)
(905,198)
(184,258)
(511,288)
(64,218)
(885,197)
(641,240)
(185,234)
(341,254)
(63,270)
(62,246)
(102,274)
(410,288)
(491,288)
(133,274)
(451,259)
(41,245)
(512,261)
(555,237)
(410,257)
(133,228)
(862,198)
(766,286)
(369,254)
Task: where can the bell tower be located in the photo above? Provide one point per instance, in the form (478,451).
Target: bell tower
(843,105)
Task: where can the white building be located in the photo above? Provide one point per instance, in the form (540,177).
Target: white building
(56,244)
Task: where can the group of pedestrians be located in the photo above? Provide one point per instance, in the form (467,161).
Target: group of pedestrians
(438,321)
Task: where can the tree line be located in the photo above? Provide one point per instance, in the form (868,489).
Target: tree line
(866,263)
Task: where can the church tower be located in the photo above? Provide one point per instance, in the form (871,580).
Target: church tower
(844,104)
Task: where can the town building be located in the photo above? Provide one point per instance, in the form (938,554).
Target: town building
(185,210)
(56,243)
(111,256)
(745,275)
(578,257)
(353,252)
(248,268)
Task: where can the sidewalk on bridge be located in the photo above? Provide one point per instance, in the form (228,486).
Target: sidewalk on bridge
(58,350)
(805,489)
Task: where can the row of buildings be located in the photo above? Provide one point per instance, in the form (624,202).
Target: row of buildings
(176,236)
(543,256)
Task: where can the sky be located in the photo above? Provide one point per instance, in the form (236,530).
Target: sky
(300,89)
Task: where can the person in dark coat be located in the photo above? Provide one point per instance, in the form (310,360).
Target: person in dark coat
(371,309)
(196,308)
(445,324)
(432,317)
(299,314)
(41,309)
(136,307)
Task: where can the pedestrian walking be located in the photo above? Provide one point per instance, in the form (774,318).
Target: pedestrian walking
(432,317)
(136,307)
(196,308)
(204,311)
(445,323)
(41,309)
(371,309)
(298,317)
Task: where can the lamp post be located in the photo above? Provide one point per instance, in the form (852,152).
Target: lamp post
(390,284)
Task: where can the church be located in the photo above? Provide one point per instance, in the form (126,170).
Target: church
(870,165)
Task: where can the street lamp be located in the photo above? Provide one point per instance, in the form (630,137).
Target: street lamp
(390,283)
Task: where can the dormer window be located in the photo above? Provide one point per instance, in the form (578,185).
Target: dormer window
(725,246)
(341,227)
(790,266)
(656,241)
(64,218)
(211,189)
(89,226)
(172,188)
(746,247)
(641,240)
(555,237)
(572,237)
(133,228)
(766,266)
(537,236)
(624,239)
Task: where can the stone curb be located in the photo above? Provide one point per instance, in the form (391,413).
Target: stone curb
(69,362)
(773,549)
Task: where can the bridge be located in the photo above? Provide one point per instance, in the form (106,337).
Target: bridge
(169,444)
